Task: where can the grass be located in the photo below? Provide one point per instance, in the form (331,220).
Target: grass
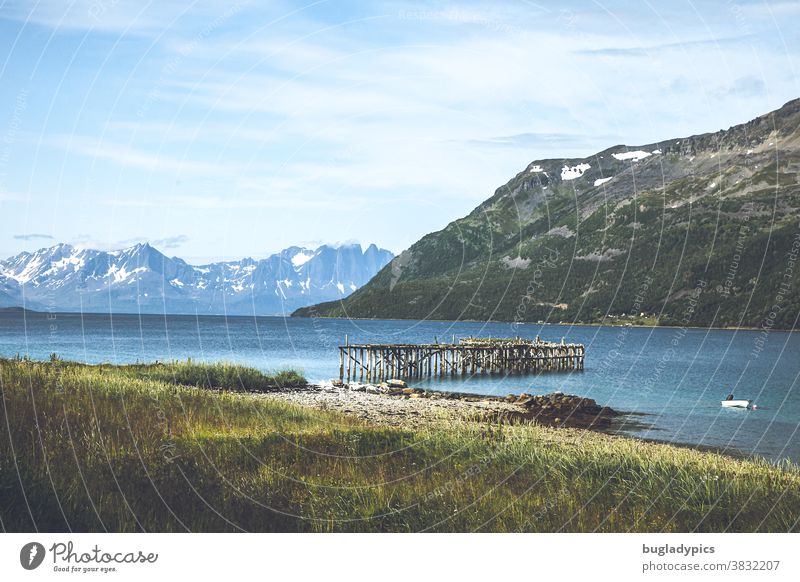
(131,448)
(221,375)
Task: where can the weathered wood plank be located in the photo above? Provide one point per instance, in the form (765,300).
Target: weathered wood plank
(377,362)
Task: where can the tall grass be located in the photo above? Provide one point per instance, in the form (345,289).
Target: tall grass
(102,448)
(219,375)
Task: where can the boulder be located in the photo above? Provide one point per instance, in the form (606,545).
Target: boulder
(395,383)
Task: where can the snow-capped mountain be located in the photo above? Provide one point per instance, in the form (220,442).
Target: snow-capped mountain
(140,279)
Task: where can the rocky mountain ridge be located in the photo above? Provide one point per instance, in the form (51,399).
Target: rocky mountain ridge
(698,230)
(140,279)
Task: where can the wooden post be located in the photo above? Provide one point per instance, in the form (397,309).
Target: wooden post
(376,362)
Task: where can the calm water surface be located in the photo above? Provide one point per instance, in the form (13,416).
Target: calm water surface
(676,377)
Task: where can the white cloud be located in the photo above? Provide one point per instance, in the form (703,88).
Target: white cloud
(355,116)
(108,16)
(372,105)
(11,197)
(127,156)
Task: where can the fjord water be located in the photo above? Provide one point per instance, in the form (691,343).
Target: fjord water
(674,377)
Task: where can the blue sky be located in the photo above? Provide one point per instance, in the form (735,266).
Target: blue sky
(217,130)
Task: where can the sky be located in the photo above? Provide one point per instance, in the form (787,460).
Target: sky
(222,130)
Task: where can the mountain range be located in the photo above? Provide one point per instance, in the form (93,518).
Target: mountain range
(140,279)
(699,230)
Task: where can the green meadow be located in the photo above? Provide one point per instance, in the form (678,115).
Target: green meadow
(188,447)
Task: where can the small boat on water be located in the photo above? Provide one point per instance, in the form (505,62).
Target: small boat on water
(737,403)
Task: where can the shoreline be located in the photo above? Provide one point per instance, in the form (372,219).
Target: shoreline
(410,407)
(529,323)
(291,316)
(376,405)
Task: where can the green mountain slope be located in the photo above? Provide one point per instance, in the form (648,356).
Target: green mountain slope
(702,230)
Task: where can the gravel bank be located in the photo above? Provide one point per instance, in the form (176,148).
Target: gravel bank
(411,407)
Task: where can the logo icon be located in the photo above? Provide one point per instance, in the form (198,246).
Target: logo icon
(31,555)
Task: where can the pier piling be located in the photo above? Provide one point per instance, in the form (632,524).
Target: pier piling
(377,362)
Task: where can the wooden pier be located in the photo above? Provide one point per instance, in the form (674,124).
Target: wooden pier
(470,356)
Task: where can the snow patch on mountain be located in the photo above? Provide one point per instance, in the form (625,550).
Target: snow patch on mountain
(302,258)
(516,263)
(632,156)
(573,172)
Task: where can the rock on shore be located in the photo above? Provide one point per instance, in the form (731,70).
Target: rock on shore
(559,409)
(396,404)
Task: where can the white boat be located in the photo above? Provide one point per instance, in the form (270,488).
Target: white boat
(737,403)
